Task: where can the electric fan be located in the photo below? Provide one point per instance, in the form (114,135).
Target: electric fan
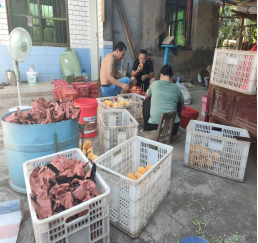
(19,48)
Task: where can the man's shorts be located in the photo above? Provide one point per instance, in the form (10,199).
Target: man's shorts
(113,90)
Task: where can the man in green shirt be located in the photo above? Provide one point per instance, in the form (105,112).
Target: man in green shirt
(165,97)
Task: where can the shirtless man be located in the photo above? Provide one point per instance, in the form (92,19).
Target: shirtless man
(112,82)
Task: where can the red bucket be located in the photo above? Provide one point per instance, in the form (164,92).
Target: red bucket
(88,116)
(188,114)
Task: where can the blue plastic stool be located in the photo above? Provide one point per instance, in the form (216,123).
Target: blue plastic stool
(193,239)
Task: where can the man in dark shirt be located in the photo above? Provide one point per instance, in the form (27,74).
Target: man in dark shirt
(143,71)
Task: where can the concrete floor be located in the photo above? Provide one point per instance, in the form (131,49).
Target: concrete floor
(230,205)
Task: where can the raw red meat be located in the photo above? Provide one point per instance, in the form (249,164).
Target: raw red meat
(43,112)
(60,185)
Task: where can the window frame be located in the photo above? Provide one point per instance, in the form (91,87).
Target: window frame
(176,6)
(41,43)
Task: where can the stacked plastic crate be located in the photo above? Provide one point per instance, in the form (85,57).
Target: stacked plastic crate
(214,148)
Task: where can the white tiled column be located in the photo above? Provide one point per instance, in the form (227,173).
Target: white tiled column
(94,40)
(79,23)
(4,35)
(100,24)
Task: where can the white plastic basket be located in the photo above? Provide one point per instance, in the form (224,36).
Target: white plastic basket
(136,101)
(114,127)
(132,203)
(235,70)
(102,106)
(93,227)
(212,148)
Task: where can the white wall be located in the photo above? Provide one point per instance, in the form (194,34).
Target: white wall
(100,24)
(79,23)
(4,35)
(94,40)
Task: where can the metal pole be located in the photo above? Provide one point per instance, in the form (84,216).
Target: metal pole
(17,73)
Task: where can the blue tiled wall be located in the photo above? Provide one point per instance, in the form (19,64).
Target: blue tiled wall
(45,60)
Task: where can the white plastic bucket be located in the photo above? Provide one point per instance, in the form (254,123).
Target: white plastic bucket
(32,78)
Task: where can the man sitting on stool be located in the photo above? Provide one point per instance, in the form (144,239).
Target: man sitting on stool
(112,82)
(143,71)
(163,96)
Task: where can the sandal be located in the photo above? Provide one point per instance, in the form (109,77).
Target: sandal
(175,136)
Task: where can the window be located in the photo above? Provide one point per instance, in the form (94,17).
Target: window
(50,20)
(176,19)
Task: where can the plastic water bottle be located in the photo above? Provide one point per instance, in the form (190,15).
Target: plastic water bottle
(178,80)
(85,75)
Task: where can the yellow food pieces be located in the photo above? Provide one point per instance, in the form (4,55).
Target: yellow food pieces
(148,167)
(202,156)
(201,162)
(138,176)
(115,104)
(94,157)
(87,145)
(90,155)
(139,173)
(109,103)
(84,151)
(122,103)
(90,150)
(215,156)
(141,170)
(191,160)
(131,176)
(209,163)
(134,88)
(131,100)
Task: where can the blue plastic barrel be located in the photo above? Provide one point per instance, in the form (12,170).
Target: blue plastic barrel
(25,142)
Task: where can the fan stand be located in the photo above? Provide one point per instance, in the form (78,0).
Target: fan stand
(17,73)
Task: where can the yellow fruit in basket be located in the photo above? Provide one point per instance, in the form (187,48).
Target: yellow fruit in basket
(87,145)
(138,176)
(127,103)
(148,167)
(109,103)
(191,159)
(201,151)
(106,101)
(141,170)
(115,104)
(131,176)
(215,156)
(122,103)
(194,149)
(94,157)
(90,155)
(84,151)
(201,162)
(209,163)
(134,88)
(90,150)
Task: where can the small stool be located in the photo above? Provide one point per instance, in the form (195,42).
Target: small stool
(193,239)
